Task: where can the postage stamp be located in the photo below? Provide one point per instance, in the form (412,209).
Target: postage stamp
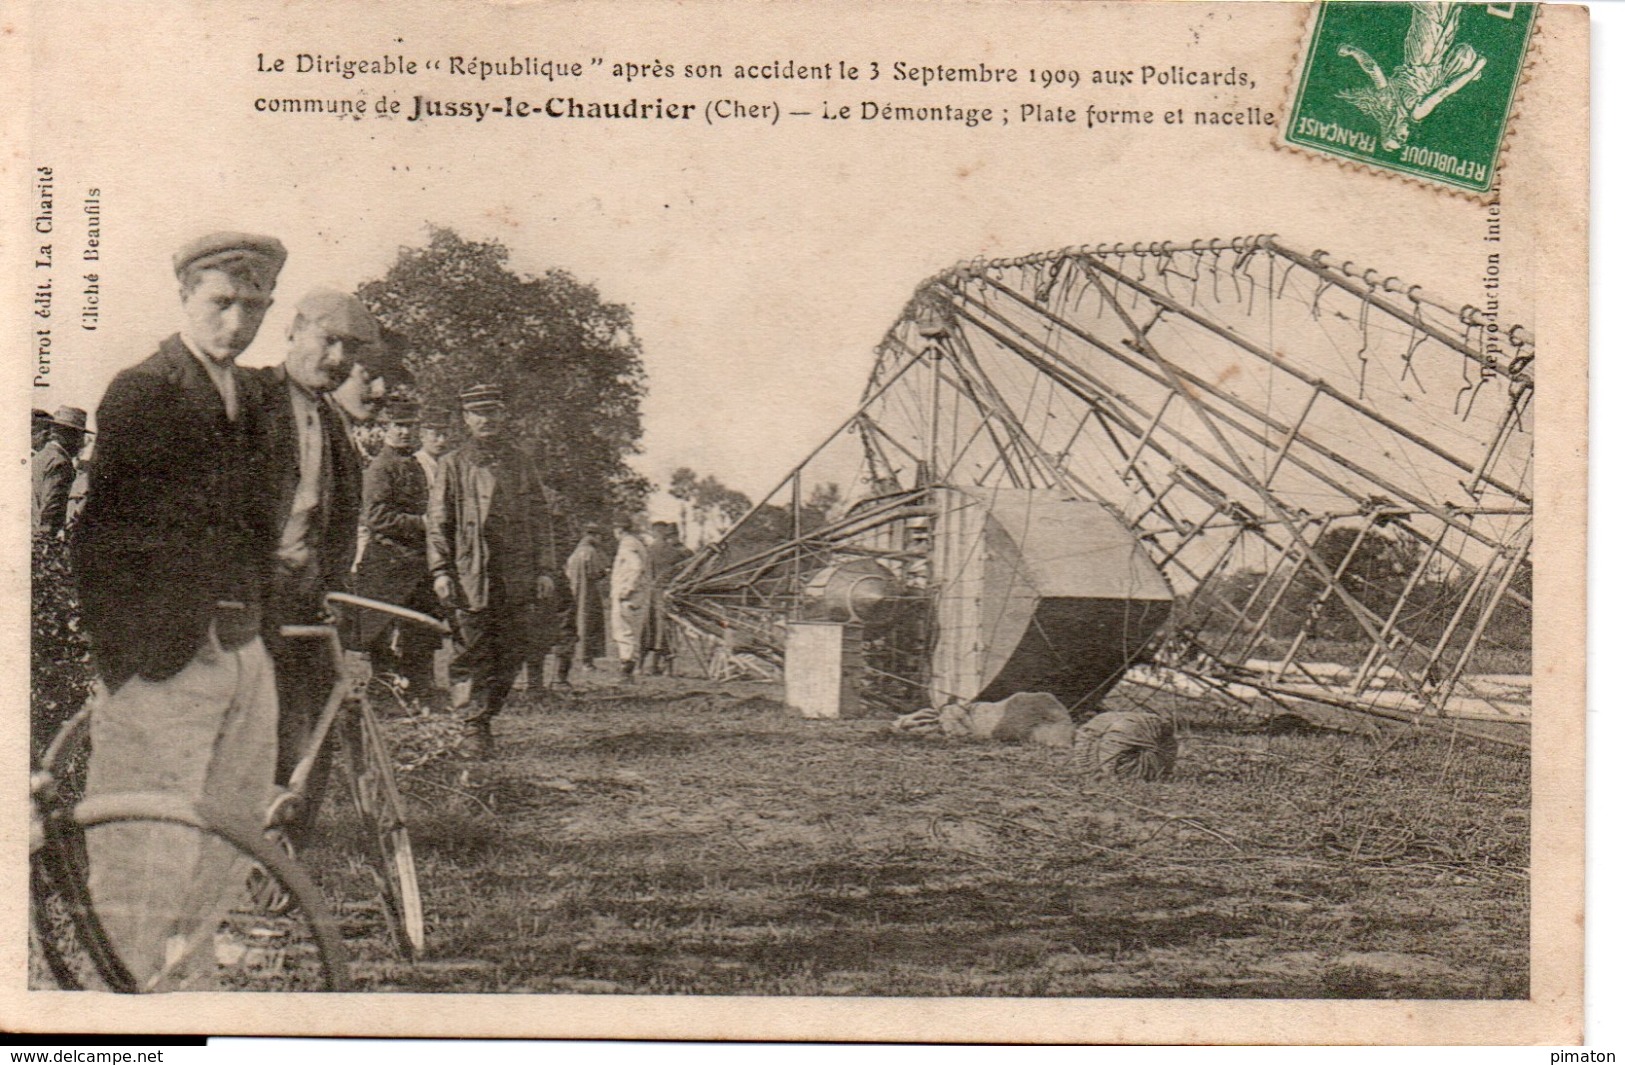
(1424,89)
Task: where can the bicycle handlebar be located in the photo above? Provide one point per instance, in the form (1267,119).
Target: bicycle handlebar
(406,613)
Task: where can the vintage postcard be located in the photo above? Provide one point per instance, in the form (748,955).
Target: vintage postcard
(968,522)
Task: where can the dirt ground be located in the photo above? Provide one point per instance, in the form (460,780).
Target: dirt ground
(684,837)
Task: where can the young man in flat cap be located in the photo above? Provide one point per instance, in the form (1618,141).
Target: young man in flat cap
(494,555)
(171,555)
(55,469)
(394,564)
(314,482)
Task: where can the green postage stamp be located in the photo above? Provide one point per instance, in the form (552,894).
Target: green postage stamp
(1423,88)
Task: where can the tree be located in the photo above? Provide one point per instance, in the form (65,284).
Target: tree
(708,504)
(570,363)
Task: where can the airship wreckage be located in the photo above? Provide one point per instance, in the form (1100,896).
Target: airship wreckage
(1224,469)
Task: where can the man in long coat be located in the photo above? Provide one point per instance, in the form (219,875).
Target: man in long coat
(172,555)
(667,554)
(55,471)
(587,570)
(629,596)
(394,564)
(494,555)
(315,484)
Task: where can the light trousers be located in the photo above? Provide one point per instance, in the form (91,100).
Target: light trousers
(207,735)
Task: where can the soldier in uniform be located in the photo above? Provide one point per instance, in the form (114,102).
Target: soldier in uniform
(394,564)
(494,554)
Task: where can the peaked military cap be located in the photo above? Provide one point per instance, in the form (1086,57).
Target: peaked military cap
(482,397)
(400,412)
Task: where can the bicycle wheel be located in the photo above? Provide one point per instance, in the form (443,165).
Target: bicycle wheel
(371,771)
(298,949)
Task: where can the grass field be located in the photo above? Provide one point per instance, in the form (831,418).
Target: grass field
(682,837)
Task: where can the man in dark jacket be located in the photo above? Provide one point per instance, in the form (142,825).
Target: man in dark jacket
(494,554)
(394,564)
(315,484)
(172,554)
(667,555)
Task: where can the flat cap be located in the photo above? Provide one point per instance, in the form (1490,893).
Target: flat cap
(218,249)
(482,397)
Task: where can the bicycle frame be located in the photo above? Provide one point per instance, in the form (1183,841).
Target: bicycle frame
(285,807)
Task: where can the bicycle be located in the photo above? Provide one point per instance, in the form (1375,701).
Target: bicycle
(354,741)
(296,948)
(289,931)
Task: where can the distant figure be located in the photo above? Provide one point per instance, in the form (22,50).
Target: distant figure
(629,596)
(55,469)
(666,556)
(587,570)
(41,430)
(494,558)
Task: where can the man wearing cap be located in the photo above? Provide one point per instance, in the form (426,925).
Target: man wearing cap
(394,564)
(55,470)
(494,557)
(314,481)
(171,557)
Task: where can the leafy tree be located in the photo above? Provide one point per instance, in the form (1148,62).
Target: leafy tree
(709,506)
(570,363)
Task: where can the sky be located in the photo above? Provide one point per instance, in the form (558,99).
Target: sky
(762,263)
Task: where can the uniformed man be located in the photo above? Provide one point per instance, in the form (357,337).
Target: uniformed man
(394,564)
(171,558)
(494,554)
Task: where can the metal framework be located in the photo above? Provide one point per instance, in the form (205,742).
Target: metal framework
(1332,470)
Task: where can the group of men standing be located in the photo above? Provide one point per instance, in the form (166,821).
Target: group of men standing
(223,504)
(622,595)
